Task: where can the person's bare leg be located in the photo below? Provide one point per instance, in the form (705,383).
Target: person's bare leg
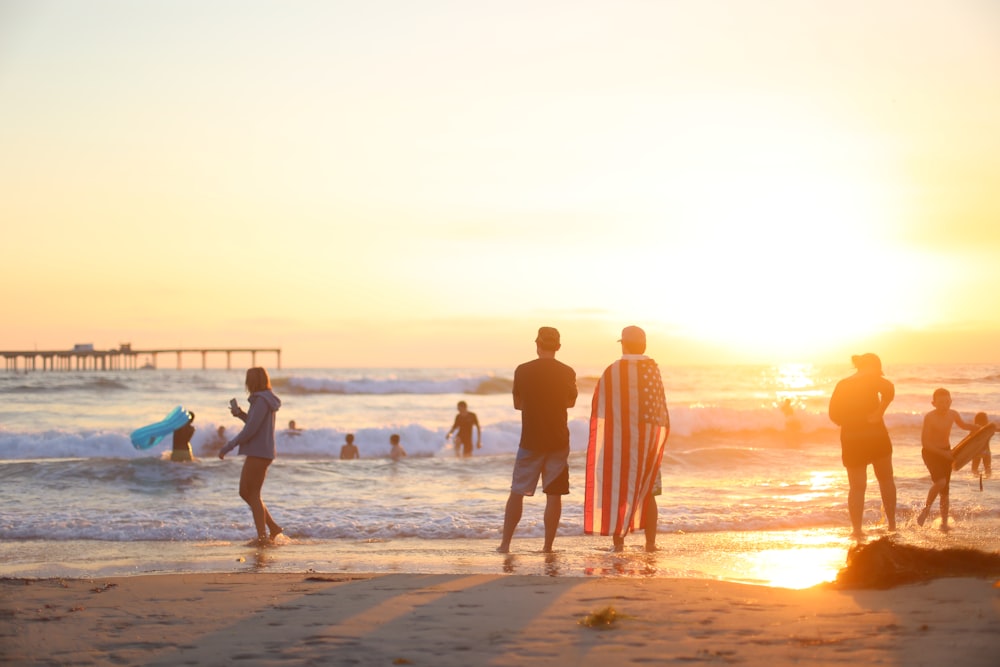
(887,487)
(617,543)
(511,517)
(936,486)
(251,481)
(944,506)
(857,479)
(652,519)
(553,512)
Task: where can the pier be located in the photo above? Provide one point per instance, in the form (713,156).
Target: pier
(124,357)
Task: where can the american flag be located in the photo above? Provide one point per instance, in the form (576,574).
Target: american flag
(629,424)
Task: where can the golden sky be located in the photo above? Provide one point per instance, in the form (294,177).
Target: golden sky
(391,183)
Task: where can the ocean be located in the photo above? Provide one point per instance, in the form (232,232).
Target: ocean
(749,494)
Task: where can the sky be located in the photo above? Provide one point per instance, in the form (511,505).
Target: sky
(396,183)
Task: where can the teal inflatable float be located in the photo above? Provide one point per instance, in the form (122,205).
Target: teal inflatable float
(149,436)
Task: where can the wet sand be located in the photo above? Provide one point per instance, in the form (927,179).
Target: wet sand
(452,619)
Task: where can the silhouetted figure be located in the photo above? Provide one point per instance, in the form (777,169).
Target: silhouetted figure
(544,389)
(858,406)
(935,441)
(465,421)
(984,457)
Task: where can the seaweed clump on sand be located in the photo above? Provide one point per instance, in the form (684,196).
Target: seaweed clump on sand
(884,564)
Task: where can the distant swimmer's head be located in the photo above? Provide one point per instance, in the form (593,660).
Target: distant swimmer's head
(548,339)
(981,419)
(462,406)
(941,398)
(633,340)
(867,362)
(394,439)
(349,438)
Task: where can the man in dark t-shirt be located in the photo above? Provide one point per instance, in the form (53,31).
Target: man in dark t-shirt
(544,389)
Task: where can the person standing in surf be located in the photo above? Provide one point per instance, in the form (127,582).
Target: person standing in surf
(256,443)
(982,419)
(181,450)
(465,421)
(936,452)
(629,424)
(544,390)
(858,406)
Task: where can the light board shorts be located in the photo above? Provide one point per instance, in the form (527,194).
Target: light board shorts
(181,455)
(553,467)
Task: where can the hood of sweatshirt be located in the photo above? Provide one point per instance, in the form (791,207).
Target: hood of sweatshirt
(268,396)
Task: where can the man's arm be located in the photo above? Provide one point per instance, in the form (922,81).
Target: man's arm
(571,397)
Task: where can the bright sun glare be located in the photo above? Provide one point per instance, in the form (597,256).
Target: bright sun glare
(796,568)
(766,236)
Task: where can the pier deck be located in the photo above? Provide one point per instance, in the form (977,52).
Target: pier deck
(122,358)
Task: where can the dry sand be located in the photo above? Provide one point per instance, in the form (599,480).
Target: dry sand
(441,620)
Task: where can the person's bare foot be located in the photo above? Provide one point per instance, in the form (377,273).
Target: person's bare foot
(503,549)
(277,530)
(922,517)
(650,548)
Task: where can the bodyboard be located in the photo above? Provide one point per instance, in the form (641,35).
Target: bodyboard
(149,436)
(972,445)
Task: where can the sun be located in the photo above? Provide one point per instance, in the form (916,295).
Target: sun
(778,244)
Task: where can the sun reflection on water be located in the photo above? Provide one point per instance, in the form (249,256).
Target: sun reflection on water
(797,568)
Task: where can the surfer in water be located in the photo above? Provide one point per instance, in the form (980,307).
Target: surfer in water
(858,406)
(936,451)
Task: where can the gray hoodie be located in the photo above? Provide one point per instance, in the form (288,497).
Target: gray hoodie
(257,436)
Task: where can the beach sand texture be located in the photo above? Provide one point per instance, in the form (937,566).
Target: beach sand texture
(407,619)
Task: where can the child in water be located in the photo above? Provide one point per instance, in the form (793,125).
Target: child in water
(936,451)
(397,452)
(349,451)
(981,420)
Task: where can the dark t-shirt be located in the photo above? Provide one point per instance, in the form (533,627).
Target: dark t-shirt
(545,389)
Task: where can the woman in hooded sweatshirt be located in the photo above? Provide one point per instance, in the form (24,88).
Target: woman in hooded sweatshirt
(256,443)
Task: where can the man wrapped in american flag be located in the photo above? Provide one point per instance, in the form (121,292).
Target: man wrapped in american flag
(629,424)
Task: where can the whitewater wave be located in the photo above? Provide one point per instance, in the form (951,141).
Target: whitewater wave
(479,385)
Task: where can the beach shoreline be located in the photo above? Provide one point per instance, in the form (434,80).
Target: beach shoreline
(442,619)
